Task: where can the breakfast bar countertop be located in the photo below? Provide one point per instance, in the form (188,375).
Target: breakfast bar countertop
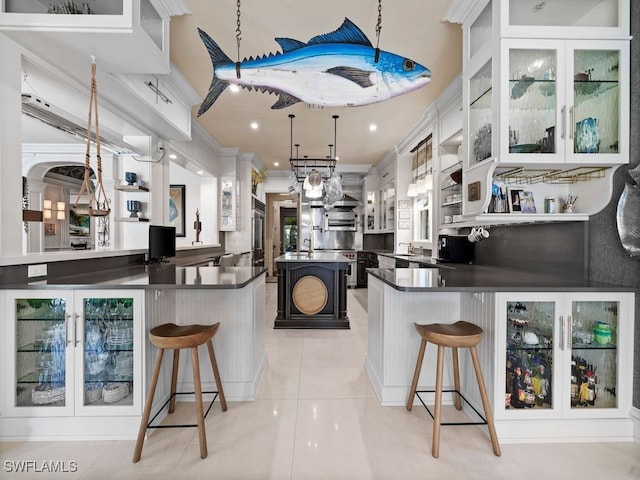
(463,277)
(152,277)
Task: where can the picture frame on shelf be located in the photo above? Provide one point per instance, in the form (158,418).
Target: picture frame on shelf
(177,204)
(520,200)
(79,225)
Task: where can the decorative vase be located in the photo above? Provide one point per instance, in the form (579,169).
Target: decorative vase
(628,219)
(133,206)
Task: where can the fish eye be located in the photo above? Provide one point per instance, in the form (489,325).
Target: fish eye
(408,65)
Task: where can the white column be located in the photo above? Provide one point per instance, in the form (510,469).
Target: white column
(10,148)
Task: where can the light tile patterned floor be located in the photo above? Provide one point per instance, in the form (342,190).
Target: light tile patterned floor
(316,417)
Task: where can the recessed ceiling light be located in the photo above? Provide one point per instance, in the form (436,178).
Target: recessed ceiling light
(337,158)
(276,164)
(373,127)
(234,88)
(200,172)
(173,156)
(254,125)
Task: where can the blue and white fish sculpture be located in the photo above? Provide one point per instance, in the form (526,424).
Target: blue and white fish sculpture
(335,69)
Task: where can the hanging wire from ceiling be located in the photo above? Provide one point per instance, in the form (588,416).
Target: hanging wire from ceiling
(378,30)
(238,38)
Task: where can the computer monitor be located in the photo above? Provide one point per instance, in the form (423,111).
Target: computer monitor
(162,243)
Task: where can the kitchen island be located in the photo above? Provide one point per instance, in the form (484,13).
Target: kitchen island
(312,290)
(536,326)
(78,358)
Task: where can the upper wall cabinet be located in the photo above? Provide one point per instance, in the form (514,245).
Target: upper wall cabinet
(126,36)
(546,97)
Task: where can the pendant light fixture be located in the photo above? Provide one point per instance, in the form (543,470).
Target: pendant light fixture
(316,174)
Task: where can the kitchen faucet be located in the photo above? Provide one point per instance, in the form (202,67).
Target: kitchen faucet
(310,244)
(409,248)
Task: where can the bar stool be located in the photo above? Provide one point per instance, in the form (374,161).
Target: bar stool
(176,337)
(458,335)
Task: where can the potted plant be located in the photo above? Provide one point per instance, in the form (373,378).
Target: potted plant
(256,179)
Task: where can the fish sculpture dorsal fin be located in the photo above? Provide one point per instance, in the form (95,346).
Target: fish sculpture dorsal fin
(289,44)
(348,32)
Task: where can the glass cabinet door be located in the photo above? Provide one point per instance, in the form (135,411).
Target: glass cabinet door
(595,114)
(531,336)
(108,353)
(480,115)
(370,222)
(532,95)
(42,366)
(594,354)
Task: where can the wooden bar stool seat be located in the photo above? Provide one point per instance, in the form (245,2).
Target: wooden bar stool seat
(457,335)
(176,337)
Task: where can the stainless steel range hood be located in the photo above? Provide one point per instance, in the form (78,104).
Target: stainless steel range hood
(347,202)
(43,111)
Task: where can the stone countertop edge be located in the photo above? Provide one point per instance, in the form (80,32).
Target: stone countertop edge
(313,257)
(476,278)
(142,278)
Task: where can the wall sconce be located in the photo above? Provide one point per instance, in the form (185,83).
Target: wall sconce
(60,210)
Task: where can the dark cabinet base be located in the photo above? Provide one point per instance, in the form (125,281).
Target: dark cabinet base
(332,315)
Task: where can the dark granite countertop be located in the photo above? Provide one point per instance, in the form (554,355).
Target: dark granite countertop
(313,257)
(154,276)
(480,278)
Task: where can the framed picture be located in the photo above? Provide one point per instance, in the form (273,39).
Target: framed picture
(79,225)
(49,228)
(177,208)
(520,200)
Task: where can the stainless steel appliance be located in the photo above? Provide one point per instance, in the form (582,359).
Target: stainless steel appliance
(341,220)
(257,233)
(352,271)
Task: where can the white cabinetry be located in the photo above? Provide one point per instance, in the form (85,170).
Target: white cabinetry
(73,354)
(563,357)
(546,99)
(126,36)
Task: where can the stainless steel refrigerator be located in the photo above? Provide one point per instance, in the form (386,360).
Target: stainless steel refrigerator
(257,233)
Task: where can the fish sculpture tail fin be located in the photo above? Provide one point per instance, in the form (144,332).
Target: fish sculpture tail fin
(217,57)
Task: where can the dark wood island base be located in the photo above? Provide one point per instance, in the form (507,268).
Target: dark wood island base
(312,291)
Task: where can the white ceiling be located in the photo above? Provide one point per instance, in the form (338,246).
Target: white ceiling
(411,28)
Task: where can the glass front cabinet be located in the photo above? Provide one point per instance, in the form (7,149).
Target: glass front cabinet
(564,355)
(562,101)
(73,353)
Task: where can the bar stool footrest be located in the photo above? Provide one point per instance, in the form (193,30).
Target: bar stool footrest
(183,425)
(483,422)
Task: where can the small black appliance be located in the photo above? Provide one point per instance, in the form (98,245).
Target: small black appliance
(455,249)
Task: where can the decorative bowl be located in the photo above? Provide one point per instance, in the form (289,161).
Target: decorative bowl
(130,177)
(525,148)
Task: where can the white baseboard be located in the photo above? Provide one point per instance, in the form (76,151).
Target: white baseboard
(635,418)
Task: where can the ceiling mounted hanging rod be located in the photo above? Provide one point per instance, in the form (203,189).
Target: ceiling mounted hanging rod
(301,166)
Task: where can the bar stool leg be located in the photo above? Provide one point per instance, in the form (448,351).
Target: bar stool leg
(199,410)
(456,377)
(216,375)
(147,408)
(174,379)
(485,402)
(435,448)
(416,375)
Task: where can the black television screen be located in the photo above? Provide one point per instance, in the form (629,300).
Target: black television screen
(162,242)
